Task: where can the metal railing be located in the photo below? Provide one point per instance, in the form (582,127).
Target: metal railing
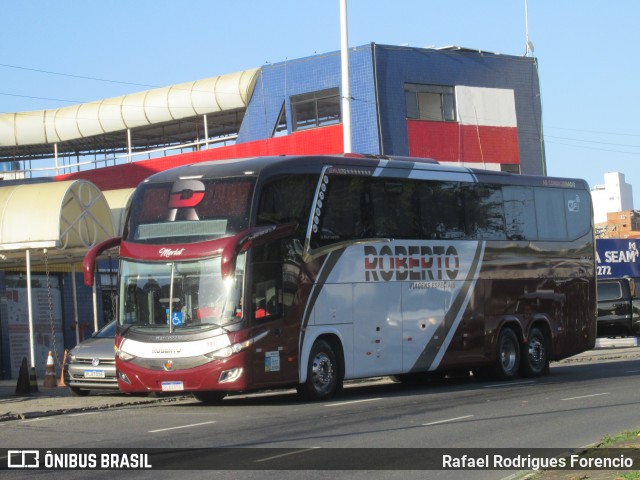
(55,168)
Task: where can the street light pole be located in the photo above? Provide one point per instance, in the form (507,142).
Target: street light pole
(346,90)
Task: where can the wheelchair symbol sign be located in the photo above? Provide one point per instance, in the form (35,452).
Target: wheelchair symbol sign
(176,319)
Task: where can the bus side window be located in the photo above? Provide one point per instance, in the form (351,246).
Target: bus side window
(550,214)
(266,288)
(578,213)
(484,212)
(286,199)
(519,213)
(441,210)
(394,210)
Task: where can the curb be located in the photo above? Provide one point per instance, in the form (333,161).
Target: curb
(65,411)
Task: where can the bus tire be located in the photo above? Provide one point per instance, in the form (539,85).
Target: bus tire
(210,397)
(534,359)
(323,373)
(507,355)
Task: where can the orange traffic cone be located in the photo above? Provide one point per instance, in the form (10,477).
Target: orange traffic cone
(50,374)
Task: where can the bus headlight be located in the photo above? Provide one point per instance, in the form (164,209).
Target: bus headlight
(124,356)
(226,352)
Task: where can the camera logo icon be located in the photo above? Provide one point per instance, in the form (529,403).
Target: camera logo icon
(23,459)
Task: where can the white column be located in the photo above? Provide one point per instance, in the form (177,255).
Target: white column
(32,345)
(346,90)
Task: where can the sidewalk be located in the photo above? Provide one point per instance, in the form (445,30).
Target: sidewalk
(56,401)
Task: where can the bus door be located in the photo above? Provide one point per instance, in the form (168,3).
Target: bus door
(274,280)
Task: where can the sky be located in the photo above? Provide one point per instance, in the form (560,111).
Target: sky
(58,53)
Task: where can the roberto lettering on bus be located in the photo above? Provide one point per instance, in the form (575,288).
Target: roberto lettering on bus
(413,263)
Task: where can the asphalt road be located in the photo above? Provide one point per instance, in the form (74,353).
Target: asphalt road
(572,407)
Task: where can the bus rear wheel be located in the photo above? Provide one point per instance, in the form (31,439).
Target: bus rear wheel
(210,398)
(507,355)
(534,359)
(323,373)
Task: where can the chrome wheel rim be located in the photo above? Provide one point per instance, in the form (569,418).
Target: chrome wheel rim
(537,353)
(322,371)
(508,355)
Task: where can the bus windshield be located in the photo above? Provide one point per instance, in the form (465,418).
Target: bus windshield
(200,298)
(189,210)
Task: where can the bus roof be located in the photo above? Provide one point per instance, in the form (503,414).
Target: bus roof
(288,164)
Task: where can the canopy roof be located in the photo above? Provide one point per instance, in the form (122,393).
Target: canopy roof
(65,218)
(119,201)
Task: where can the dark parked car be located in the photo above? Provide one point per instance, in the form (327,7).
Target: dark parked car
(618,308)
(91,365)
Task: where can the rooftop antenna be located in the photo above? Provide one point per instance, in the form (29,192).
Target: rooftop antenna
(528,45)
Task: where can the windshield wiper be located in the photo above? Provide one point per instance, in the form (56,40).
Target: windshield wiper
(205,326)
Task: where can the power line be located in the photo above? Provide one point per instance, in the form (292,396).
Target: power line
(593,131)
(592,141)
(585,147)
(39,98)
(48,72)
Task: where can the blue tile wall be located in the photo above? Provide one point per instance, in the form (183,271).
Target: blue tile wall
(278,82)
(399,65)
(381,128)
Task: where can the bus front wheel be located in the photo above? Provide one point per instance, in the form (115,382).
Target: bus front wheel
(507,355)
(210,397)
(323,373)
(534,360)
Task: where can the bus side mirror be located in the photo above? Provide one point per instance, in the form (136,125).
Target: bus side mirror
(252,237)
(89,261)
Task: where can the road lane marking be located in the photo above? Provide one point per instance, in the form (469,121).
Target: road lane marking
(508,384)
(446,421)
(182,426)
(352,402)
(586,396)
(286,454)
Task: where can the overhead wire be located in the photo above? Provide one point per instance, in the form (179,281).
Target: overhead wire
(83,77)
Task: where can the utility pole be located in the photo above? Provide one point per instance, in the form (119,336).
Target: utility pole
(346,90)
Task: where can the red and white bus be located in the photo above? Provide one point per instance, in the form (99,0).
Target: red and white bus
(241,275)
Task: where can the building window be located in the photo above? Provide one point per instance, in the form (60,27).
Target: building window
(316,109)
(511,168)
(430,102)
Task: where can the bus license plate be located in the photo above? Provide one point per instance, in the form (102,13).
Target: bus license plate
(172,386)
(94,374)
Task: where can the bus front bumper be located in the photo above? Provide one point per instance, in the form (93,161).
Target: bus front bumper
(221,375)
